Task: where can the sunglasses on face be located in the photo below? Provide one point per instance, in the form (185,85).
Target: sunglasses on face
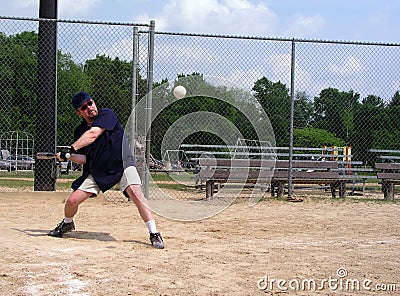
(85,106)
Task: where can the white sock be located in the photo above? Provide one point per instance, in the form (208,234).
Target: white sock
(68,220)
(151,225)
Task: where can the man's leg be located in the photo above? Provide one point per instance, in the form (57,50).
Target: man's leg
(70,209)
(74,200)
(135,193)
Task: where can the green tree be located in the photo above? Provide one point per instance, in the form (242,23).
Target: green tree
(7,87)
(71,78)
(274,98)
(111,83)
(382,124)
(334,112)
(312,137)
(372,100)
(18,56)
(369,117)
(393,124)
(395,101)
(303,110)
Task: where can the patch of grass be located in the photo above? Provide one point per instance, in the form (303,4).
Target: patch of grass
(337,200)
(175,186)
(17,174)
(25,179)
(16,183)
(161,177)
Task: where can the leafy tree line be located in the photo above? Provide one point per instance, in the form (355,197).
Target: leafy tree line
(108,80)
(333,118)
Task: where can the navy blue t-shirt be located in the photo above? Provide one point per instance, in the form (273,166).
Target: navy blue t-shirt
(108,155)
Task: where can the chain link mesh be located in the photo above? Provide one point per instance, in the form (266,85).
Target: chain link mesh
(346,94)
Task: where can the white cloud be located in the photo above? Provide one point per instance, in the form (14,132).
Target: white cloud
(245,78)
(25,4)
(76,8)
(72,9)
(379,16)
(145,19)
(119,50)
(305,27)
(278,67)
(234,17)
(348,66)
(25,8)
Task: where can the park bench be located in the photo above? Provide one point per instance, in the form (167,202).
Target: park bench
(355,174)
(387,170)
(352,179)
(308,172)
(386,155)
(216,172)
(389,173)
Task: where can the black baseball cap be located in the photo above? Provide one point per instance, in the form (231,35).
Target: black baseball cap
(79,99)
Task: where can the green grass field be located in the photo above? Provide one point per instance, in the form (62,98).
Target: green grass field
(25,179)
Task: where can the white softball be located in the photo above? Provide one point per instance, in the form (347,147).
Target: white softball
(179,92)
(67,155)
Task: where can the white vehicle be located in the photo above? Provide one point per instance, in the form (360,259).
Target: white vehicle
(21,162)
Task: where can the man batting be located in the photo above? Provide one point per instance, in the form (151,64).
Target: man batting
(100,146)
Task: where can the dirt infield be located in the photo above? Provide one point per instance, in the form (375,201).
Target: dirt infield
(317,247)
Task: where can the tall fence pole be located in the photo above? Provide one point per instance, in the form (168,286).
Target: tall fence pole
(292,95)
(46,104)
(149,104)
(135,67)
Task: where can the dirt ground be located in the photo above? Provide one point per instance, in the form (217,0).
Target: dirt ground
(317,247)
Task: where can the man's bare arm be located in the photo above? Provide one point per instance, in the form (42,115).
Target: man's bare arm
(77,158)
(88,137)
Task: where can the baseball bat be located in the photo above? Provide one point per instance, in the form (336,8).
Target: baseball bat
(49,155)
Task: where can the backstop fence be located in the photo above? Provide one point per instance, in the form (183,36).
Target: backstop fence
(313,93)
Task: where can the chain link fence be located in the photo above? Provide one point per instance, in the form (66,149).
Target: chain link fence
(345,94)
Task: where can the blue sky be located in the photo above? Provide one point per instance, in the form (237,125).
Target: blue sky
(350,20)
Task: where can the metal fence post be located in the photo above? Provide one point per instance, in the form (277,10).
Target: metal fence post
(149,104)
(292,70)
(135,67)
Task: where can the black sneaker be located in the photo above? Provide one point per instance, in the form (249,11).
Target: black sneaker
(61,229)
(156,240)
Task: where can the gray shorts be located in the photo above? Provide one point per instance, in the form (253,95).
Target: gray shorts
(129,177)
